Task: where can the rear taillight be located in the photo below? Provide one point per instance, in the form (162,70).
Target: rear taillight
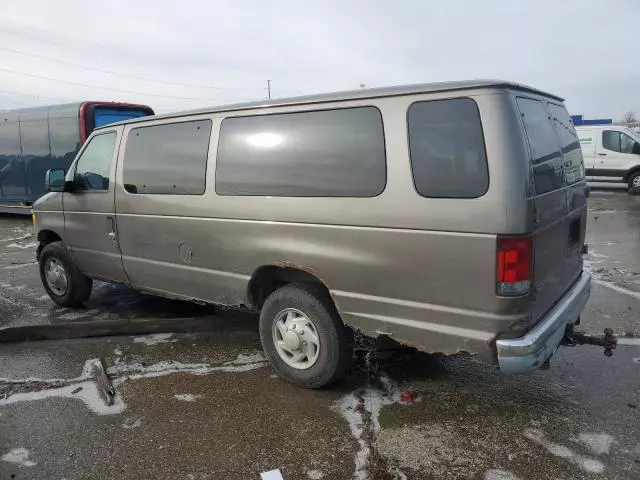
(514,265)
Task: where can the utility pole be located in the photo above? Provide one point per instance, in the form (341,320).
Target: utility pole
(269,88)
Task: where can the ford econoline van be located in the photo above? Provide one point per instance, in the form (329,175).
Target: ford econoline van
(449,217)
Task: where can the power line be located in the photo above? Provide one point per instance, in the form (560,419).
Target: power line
(109,72)
(102,88)
(10,92)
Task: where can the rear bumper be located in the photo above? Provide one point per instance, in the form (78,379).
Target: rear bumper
(524,354)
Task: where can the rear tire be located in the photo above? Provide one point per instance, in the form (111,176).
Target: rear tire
(303,335)
(61,278)
(634,184)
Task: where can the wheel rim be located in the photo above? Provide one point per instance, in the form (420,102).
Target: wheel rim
(296,339)
(636,181)
(56,276)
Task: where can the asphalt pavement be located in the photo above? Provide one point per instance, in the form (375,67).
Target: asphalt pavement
(206,405)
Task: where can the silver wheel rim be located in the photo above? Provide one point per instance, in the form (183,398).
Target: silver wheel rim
(296,339)
(56,276)
(636,181)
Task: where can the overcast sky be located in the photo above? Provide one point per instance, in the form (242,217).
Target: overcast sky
(178,55)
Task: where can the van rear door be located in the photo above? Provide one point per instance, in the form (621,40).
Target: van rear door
(558,200)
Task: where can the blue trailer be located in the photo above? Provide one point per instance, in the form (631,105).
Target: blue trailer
(33,140)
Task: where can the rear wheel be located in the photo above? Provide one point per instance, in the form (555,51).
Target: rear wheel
(634,184)
(303,336)
(61,278)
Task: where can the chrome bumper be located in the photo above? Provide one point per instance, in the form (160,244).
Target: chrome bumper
(524,354)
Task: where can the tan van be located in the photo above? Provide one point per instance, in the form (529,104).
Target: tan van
(448,216)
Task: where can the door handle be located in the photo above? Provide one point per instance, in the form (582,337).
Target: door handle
(602,154)
(111,227)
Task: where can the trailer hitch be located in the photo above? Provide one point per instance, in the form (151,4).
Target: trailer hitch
(608,340)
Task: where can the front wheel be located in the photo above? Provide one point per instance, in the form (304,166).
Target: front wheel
(61,278)
(634,184)
(303,336)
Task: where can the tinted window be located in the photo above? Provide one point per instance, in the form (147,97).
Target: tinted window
(167,159)
(94,165)
(330,153)
(12,173)
(569,142)
(618,142)
(448,158)
(544,146)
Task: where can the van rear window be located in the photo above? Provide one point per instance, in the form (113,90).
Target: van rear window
(546,154)
(448,158)
(570,144)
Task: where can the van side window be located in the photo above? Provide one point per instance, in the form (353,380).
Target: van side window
(569,142)
(446,143)
(546,154)
(94,165)
(168,159)
(619,142)
(327,153)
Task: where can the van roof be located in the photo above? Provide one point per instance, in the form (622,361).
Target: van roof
(353,95)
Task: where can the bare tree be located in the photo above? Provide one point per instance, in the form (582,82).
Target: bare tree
(629,117)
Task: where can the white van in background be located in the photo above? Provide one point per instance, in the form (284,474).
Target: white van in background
(611,151)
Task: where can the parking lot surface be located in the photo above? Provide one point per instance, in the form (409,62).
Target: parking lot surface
(207,405)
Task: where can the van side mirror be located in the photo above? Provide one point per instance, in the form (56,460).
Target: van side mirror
(54,180)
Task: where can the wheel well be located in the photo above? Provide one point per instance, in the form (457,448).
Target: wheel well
(46,237)
(631,172)
(269,278)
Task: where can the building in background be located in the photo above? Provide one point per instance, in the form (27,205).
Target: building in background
(579,120)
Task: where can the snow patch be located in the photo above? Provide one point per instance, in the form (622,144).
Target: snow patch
(629,341)
(20,265)
(17,239)
(244,359)
(598,443)
(124,371)
(19,456)
(187,397)
(616,288)
(155,339)
(89,395)
(585,463)
(134,371)
(315,474)
(497,474)
(352,408)
(23,246)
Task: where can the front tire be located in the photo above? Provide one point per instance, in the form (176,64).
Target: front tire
(634,184)
(303,335)
(61,278)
